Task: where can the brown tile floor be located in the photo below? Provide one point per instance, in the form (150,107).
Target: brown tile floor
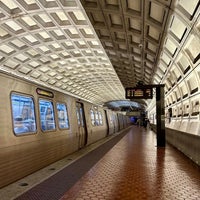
(136,169)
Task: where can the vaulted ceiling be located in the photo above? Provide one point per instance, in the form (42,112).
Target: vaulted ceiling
(93,49)
(132,33)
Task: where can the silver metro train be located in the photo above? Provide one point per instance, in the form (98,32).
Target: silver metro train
(39,126)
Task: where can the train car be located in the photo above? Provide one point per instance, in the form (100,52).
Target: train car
(40,126)
(110,122)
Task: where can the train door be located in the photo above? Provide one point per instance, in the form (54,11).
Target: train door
(106,115)
(82,130)
(114,122)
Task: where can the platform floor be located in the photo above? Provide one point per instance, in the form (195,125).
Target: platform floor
(136,169)
(133,169)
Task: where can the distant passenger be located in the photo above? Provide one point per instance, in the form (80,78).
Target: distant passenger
(145,122)
(19,126)
(138,122)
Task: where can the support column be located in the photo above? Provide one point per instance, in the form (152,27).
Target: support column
(160,116)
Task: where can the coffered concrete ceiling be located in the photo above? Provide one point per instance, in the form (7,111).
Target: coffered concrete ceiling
(132,32)
(93,49)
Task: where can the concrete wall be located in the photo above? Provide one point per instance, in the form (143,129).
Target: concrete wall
(187,143)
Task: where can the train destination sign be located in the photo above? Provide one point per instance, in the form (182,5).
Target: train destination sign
(44,93)
(139,93)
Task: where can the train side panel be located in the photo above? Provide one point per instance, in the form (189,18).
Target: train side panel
(22,155)
(111,127)
(121,122)
(115,122)
(98,130)
(26,152)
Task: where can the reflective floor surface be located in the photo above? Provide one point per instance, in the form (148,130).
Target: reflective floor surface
(133,169)
(136,169)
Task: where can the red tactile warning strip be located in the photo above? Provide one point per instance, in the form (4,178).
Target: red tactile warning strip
(136,169)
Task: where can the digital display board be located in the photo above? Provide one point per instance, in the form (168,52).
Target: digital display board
(44,93)
(139,93)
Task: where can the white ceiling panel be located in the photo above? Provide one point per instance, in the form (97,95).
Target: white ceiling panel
(49,40)
(93,49)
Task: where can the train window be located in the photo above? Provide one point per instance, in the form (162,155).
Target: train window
(81,116)
(79,113)
(23,112)
(97,118)
(62,116)
(78,116)
(92,117)
(100,118)
(47,119)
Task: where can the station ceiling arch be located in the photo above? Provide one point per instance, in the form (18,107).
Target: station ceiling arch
(93,49)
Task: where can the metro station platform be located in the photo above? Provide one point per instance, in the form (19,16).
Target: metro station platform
(128,166)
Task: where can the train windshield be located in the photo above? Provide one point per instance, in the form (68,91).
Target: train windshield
(47,119)
(23,112)
(62,116)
